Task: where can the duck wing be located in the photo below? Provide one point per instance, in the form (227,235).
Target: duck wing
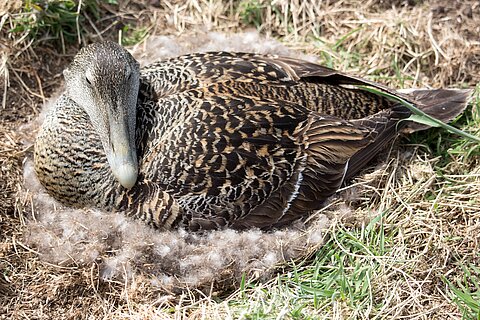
(318,88)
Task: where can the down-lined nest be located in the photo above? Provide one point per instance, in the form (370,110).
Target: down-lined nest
(173,260)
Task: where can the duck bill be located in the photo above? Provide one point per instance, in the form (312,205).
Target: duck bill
(123,157)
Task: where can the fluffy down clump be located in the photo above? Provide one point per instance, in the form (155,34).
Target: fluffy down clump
(125,248)
(159,47)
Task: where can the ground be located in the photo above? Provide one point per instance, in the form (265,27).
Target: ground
(404,236)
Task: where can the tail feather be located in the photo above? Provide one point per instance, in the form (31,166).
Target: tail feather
(442,104)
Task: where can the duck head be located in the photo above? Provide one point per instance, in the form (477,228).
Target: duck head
(103,79)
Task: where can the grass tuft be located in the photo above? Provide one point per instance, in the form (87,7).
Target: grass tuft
(465,292)
(58,20)
(342,273)
(132,35)
(252,12)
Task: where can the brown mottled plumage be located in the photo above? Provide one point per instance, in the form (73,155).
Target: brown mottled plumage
(221,139)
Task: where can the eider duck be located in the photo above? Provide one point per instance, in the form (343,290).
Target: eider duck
(214,140)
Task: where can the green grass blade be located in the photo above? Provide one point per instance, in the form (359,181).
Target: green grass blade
(420,116)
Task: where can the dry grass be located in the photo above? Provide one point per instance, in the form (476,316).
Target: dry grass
(427,193)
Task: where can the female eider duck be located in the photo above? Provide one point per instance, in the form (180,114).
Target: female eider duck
(213,140)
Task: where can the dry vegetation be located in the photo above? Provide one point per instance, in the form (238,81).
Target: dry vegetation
(404,242)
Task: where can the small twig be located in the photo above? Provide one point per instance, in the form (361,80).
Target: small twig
(77,22)
(4,68)
(435,45)
(63,43)
(40,87)
(25,86)
(93,26)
